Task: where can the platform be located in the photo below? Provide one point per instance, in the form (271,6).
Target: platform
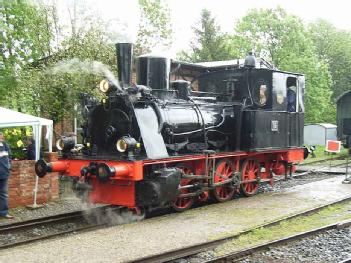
(127,242)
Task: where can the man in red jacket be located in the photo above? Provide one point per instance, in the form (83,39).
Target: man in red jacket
(5,166)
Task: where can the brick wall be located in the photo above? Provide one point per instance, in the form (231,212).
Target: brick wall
(22,184)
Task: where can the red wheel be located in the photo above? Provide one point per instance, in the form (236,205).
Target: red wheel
(224,171)
(181,204)
(250,171)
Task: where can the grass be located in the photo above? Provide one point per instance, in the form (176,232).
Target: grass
(322,155)
(326,216)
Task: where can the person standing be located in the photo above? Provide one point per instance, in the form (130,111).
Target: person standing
(30,148)
(5,165)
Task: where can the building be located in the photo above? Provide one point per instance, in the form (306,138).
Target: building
(319,133)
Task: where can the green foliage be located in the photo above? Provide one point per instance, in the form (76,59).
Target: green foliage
(322,155)
(31,81)
(37,80)
(210,43)
(334,47)
(16,137)
(26,35)
(56,84)
(155,29)
(283,40)
(273,34)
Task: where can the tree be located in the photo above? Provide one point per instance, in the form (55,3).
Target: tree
(45,70)
(77,67)
(283,40)
(334,47)
(26,36)
(210,43)
(155,29)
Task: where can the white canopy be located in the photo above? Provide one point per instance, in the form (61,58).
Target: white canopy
(11,118)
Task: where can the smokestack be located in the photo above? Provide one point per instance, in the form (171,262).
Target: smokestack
(124,53)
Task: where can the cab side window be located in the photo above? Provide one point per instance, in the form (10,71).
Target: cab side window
(291,84)
(260,93)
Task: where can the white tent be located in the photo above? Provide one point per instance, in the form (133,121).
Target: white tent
(10,118)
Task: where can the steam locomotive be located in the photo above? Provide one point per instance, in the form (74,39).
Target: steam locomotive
(186,132)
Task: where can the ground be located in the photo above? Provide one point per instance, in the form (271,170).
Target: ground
(178,230)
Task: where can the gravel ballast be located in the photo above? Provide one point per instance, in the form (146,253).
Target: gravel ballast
(329,247)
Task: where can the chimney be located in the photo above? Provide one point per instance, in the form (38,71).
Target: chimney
(124,52)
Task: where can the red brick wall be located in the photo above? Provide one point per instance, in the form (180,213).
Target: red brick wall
(22,184)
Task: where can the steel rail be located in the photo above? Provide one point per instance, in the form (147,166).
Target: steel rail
(48,221)
(238,255)
(326,166)
(324,160)
(200,247)
(348,260)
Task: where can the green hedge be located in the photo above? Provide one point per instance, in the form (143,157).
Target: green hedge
(16,138)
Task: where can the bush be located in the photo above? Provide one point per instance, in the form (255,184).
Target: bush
(16,137)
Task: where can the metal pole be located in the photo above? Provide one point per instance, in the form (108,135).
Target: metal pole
(347,166)
(36,191)
(347,178)
(37,157)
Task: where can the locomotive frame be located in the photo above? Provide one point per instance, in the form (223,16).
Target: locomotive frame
(216,129)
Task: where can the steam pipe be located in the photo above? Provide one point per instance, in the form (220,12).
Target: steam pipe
(42,168)
(104,171)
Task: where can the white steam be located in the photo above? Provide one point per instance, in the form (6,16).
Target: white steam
(85,66)
(112,216)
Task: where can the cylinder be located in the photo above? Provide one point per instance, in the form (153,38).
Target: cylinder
(124,53)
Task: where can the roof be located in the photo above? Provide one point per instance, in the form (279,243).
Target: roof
(235,63)
(11,118)
(324,125)
(343,95)
(226,63)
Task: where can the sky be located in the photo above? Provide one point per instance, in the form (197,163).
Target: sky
(185,13)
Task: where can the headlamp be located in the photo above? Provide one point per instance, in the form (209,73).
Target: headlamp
(104,86)
(65,144)
(59,144)
(126,143)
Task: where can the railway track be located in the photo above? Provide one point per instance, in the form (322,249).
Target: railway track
(325,160)
(30,231)
(193,250)
(335,168)
(239,255)
(34,230)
